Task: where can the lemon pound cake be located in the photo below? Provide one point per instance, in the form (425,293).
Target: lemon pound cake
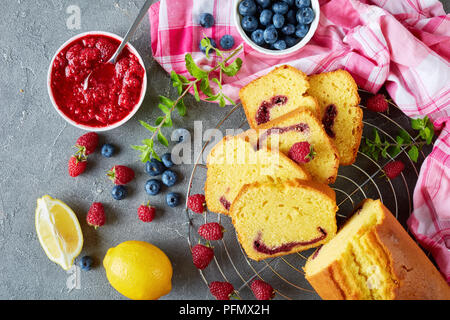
(337,95)
(234,161)
(274,219)
(276,93)
(373,257)
(289,132)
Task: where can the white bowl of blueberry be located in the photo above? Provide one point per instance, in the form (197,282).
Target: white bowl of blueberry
(276,27)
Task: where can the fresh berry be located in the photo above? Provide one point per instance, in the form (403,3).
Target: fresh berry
(77,165)
(265,18)
(263,3)
(288,29)
(167,160)
(107,150)
(291,17)
(258,37)
(278,20)
(172,199)
(302,3)
(301,30)
(119,192)
(262,290)
(377,103)
(247,8)
(85,263)
(270,34)
(96,215)
(227,42)
(87,143)
(197,203)
(289,2)
(121,174)
(206,20)
(249,23)
(291,41)
(280,45)
(221,290)
(301,152)
(180,134)
(305,15)
(280,7)
(211,231)
(146,212)
(203,49)
(202,256)
(393,169)
(154,167)
(169,178)
(152,187)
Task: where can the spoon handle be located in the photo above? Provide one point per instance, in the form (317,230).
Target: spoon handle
(132,29)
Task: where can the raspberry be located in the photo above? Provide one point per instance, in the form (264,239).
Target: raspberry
(211,231)
(202,256)
(96,215)
(377,103)
(221,290)
(146,213)
(120,174)
(77,165)
(393,169)
(301,152)
(262,290)
(87,143)
(197,203)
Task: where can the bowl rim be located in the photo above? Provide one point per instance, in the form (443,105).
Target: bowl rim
(312,30)
(116,124)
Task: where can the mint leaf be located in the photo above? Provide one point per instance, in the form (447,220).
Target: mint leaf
(413,153)
(233,68)
(417,124)
(147,126)
(162,139)
(176,82)
(181,108)
(193,69)
(205,87)
(404,135)
(196,94)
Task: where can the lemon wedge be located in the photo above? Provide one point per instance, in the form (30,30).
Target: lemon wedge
(58,230)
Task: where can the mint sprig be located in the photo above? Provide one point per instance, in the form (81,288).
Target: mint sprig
(200,83)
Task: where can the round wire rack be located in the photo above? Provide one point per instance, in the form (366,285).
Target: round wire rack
(354,183)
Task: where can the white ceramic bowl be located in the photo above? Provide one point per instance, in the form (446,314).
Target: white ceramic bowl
(312,29)
(114,125)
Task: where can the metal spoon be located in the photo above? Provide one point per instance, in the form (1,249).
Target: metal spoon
(129,34)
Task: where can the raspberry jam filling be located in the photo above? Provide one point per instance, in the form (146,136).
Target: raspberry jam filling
(112,90)
(259,246)
(226,204)
(263,113)
(328,120)
(299,127)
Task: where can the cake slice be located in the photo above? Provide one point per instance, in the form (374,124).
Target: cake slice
(337,95)
(275,94)
(234,161)
(273,219)
(295,127)
(373,257)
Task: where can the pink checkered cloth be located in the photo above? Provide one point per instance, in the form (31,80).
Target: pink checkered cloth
(402,44)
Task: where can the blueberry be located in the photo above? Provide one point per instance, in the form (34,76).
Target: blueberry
(305,15)
(301,30)
(303,3)
(280,7)
(169,178)
(249,23)
(291,41)
(206,20)
(154,167)
(203,49)
(288,29)
(280,45)
(270,35)
(265,18)
(258,37)
(180,135)
(227,42)
(263,3)
(289,2)
(152,187)
(107,150)
(278,20)
(119,192)
(86,263)
(247,8)
(172,199)
(167,160)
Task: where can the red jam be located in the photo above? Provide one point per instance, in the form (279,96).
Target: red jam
(112,90)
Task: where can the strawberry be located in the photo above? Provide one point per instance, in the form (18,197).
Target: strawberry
(96,215)
(221,290)
(202,256)
(146,212)
(262,290)
(120,174)
(87,143)
(77,165)
(377,103)
(197,203)
(301,152)
(211,231)
(393,169)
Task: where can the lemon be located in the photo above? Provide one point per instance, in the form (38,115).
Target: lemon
(58,230)
(138,270)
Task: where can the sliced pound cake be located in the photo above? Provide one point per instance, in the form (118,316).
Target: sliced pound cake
(373,257)
(276,93)
(290,130)
(234,162)
(337,95)
(273,219)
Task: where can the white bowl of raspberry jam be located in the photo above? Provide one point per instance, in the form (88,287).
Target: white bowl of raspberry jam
(112,94)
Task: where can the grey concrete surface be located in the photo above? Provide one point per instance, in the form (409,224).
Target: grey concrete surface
(36,144)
